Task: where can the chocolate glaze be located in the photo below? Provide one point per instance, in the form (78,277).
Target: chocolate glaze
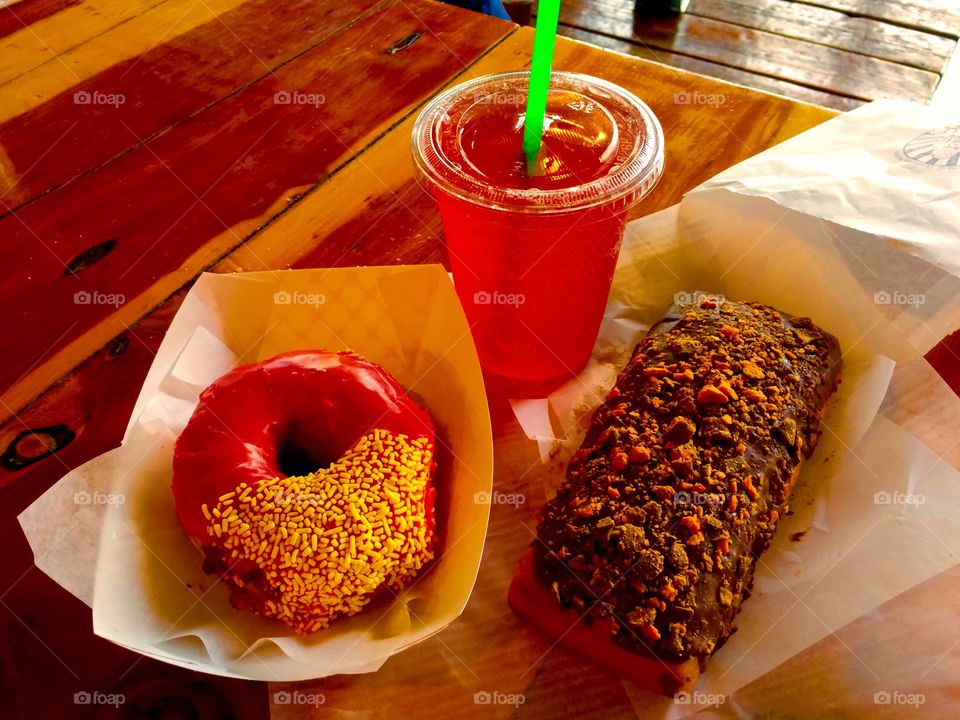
(684,473)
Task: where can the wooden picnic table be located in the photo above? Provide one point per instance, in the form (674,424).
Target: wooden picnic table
(142,142)
(836,53)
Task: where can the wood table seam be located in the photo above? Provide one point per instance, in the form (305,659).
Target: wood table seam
(56,56)
(852,51)
(655,48)
(866,78)
(953,34)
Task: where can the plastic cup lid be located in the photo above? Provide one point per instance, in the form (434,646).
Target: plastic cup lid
(632,167)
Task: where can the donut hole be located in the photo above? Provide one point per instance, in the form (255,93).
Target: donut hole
(305,448)
(296,461)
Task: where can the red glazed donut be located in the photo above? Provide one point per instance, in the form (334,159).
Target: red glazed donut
(351,517)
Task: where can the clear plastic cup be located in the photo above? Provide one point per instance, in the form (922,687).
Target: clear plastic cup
(533,253)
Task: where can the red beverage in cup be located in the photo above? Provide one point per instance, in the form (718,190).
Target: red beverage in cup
(533,250)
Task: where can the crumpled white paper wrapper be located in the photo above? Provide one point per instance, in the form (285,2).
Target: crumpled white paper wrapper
(128,557)
(847,224)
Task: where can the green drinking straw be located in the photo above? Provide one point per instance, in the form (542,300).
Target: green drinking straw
(544,38)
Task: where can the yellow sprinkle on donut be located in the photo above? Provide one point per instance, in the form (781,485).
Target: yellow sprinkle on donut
(327,540)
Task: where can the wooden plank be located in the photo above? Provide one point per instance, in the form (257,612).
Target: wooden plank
(48,37)
(90,258)
(60,138)
(822,26)
(941,16)
(797,61)
(80,61)
(50,646)
(24,14)
(721,72)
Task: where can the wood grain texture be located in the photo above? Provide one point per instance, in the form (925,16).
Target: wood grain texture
(721,72)
(170,215)
(80,128)
(50,648)
(46,38)
(797,61)
(125,42)
(20,15)
(822,26)
(942,16)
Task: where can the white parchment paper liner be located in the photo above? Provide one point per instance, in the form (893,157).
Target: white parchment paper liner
(144,579)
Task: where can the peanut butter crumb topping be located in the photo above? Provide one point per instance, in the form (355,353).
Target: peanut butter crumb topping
(684,473)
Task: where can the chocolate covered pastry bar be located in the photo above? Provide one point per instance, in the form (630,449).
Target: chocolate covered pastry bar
(644,556)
